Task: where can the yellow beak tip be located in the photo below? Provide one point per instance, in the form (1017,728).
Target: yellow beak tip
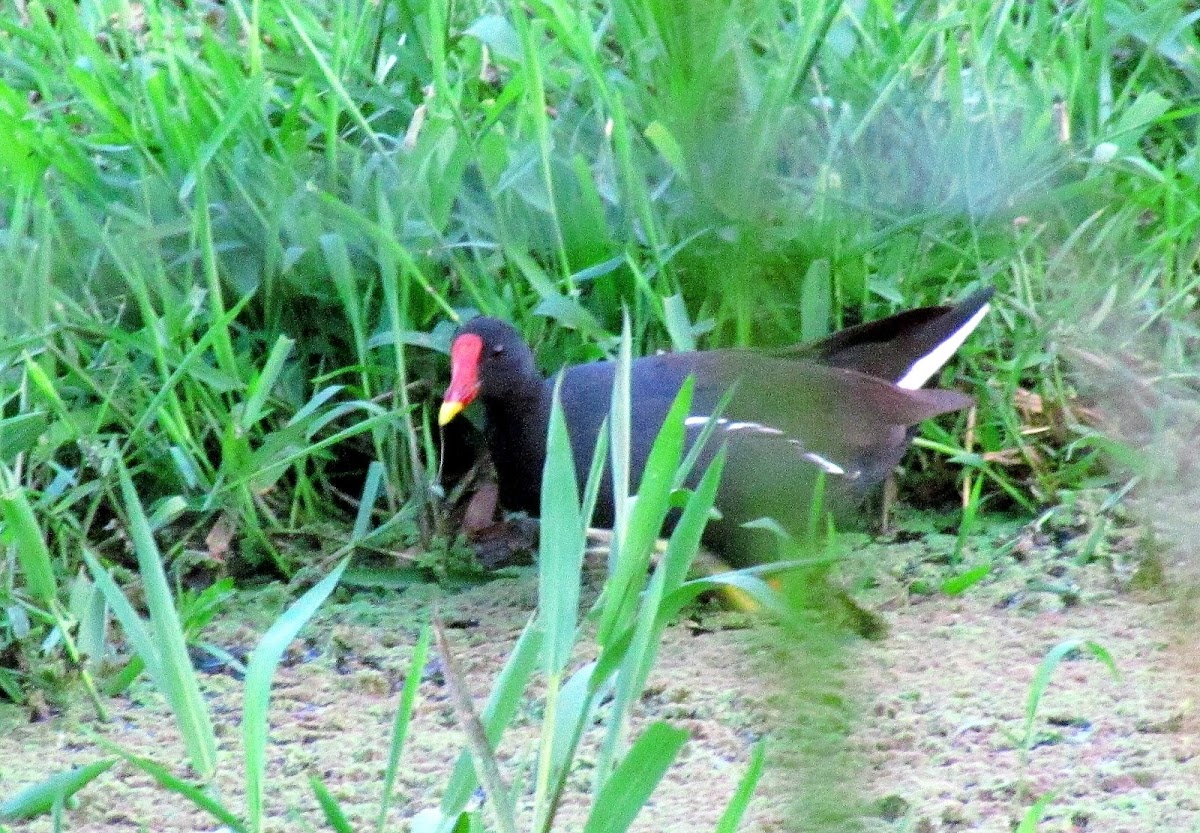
(449,411)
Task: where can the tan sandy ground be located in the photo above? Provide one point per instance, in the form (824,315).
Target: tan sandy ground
(942,700)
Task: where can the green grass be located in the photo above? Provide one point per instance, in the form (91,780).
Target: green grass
(235,238)
(631,617)
(234,233)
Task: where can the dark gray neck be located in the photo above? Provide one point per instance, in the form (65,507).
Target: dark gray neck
(516,439)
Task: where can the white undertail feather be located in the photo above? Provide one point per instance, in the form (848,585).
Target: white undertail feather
(922,370)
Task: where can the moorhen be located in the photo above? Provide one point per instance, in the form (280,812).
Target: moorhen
(844,407)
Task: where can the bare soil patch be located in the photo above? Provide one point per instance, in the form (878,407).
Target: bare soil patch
(941,705)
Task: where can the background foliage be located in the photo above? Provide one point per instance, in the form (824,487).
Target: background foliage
(235,235)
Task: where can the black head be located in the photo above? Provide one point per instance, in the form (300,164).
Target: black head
(488,359)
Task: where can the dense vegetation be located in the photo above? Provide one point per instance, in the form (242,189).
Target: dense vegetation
(236,237)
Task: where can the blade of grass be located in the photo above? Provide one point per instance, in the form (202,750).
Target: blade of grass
(731,819)
(498,713)
(1033,816)
(40,798)
(260,387)
(330,808)
(561,546)
(486,767)
(134,626)
(175,674)
(173,783)
(408,700)
(646,518)
(639,656)
(259,673)
(633,782)
(618,420)
(21,528)
(1045,670)
(560,561)
(576,703)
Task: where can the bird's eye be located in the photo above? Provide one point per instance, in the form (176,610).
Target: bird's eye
(498,349)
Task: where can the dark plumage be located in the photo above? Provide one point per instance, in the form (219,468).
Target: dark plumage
(844,406)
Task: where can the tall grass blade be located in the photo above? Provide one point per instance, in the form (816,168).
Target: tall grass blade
(639,655)
(40,798)
(176,674)
(619,432)
(635,780)
(646,517)
(370,496)
(408,701)
(135,628)
(498,713)
(816,302)
(25,534)
(1045,670)
(1033,816)
(679,327)
(330,808)
(259,673)
(576,703)
(595,479)
(500,795)
(731,819)
(173,783)
(254,407)
(560,551)
(560,561)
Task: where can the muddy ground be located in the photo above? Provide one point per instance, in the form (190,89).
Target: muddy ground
(936,741)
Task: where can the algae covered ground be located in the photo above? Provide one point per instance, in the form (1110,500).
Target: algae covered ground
(939,738)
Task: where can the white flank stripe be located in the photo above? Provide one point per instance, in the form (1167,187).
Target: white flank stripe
(757,428)
(693,421)
(922,369)
(752,426)
(826,465)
